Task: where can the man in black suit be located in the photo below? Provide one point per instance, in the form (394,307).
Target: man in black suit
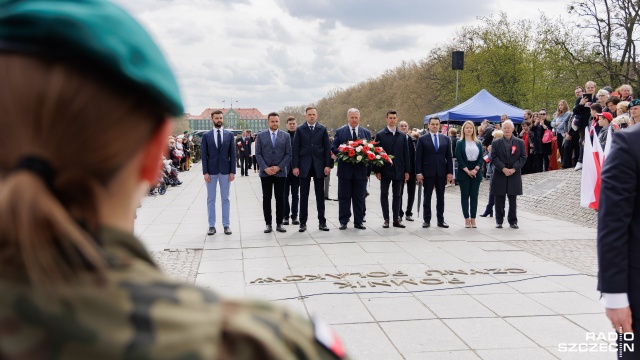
(394,142)
(352,178)
(245,153)
(292,184)
(619,234)
(434,168)
(508,156)
(411,183)
(311,159)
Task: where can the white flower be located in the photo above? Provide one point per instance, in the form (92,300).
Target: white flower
(359,149)
(359,157)
(371,146)
(378,157)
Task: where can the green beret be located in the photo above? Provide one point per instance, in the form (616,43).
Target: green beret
(95,34)
(634,102)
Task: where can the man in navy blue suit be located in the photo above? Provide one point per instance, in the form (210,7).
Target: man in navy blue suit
(394,142)
(434,168)
(352,178)
(311,159)
(218,166)
(273,152)
(619,235)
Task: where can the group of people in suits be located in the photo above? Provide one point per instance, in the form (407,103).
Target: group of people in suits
(289,160)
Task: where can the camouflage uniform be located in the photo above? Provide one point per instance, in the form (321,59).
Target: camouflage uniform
(141,314)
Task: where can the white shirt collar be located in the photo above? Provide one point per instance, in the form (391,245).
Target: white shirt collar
(392,130)
(357,128)
(216,129)
(274,132)
(314,124)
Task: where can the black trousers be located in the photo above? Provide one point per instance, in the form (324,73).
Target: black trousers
(291,186)
(396,189)
(318,187)
(411,195)
(255,163)
(245,164)
(351,191)
(570,152)
(429,183)
(513,209)
(272,186)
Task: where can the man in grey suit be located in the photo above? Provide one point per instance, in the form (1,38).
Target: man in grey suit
(508,156)
(273,152)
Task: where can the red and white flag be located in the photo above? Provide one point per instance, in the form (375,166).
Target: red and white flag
(594,158)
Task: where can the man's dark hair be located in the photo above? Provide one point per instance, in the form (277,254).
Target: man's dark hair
(434,118)
(291,118)
(216,112)
(612,99)
(391,112)
(597,107)
(310,108)
(273,113)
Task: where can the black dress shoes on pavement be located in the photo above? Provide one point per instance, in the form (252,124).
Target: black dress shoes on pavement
(280,228)
(303,228)
(443,225)
(211,231)
(425,224)
(360,226)
(398,224)
(268,229)
(227,230)
(514,226)
(385,224)
(343,227)
(294,221)
(498,226)
(409,218)
(323,227)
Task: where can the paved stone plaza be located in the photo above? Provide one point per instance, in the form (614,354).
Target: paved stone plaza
(393,293)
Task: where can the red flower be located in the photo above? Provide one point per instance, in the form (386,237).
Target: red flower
(345,150)
(385,157)
(379,149)
(372,142)
(352,153)
(353,144)
(371,156)
(359,142)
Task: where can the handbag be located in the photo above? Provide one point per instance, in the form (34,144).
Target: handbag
(547,137)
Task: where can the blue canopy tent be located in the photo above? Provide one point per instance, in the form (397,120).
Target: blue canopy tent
(481,106)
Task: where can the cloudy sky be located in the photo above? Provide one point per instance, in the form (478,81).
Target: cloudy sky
(272,53)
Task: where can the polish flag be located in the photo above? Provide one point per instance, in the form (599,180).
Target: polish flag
(590,173)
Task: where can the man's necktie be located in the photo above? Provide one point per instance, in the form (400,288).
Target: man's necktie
(353,134)
(273,139)
(219,139)
(435,141)
(311,127)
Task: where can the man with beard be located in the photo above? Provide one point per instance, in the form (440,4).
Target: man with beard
(218,166)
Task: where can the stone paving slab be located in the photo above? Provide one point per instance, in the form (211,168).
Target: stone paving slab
(393,293)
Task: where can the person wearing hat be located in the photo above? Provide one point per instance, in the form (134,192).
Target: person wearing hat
(634,111)
(604,120)
(74,281)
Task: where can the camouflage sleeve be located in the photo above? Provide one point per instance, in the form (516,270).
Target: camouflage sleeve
(261,330)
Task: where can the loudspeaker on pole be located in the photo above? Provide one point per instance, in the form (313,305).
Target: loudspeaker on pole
(457,60)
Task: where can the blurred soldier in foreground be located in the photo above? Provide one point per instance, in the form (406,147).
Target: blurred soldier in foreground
(74,281)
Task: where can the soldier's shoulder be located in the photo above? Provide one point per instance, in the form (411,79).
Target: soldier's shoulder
(271,331)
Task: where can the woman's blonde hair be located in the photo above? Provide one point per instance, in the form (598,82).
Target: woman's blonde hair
(87,130)
(497,134)
(474,136)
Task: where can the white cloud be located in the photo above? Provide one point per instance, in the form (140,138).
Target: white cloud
(272,53)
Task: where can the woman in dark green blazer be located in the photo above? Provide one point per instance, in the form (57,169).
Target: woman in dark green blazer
(469,175)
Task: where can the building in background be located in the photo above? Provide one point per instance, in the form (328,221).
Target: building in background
(234,118)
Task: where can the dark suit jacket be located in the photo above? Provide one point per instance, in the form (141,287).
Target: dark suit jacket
(412,154)
(618,214)
(347,170)
(502,156)
(218,161)
(268,155)
(461,156)
(395,145)
(311,149)
(432,163)
(246,145)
